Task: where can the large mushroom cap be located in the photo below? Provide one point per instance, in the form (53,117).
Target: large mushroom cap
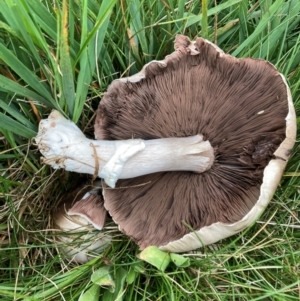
(242,106)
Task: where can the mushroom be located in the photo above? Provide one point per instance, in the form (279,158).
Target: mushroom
(63,145)
(212,136)
(82,210)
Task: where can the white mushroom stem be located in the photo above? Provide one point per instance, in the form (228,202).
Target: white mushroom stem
(63,145)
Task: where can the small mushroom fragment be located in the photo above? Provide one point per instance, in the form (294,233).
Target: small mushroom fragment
(212,136)
(79,214)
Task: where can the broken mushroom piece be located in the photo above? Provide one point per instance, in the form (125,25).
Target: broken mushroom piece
(242,107)
(212,136)
(77,216)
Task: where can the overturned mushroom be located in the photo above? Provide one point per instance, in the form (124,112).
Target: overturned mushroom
(212,136)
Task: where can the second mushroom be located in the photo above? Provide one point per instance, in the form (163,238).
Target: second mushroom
(192,147)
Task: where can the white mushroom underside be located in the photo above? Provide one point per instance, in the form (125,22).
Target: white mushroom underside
(63,145)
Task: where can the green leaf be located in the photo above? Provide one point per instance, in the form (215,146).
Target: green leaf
(155,257)
(92,294)
(131,276)
(103,278)
(180,260)
(117,295)
(139,267)
(135,269)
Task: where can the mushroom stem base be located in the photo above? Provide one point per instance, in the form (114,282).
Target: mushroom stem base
(63,145)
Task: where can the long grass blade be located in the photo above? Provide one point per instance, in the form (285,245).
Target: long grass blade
(193,19)
(17,14)
(243,30)
(17,115)
(12,87)
(136,24)
(274,8)
(91,46)
(204,21)
(15,127)
(65,64)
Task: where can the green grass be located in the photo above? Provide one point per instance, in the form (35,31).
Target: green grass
(63,55)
